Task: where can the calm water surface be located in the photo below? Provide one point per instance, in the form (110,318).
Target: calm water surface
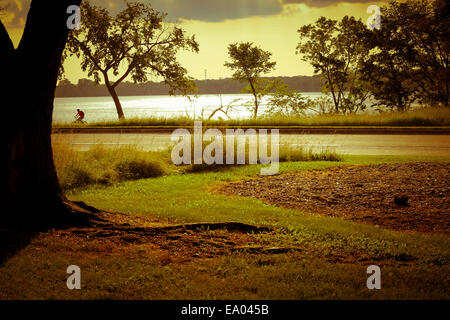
(103,108)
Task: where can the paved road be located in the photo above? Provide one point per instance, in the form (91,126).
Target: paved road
(363,144)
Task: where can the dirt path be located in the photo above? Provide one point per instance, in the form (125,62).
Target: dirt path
(406,196)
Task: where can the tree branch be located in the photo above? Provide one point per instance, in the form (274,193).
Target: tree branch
(131,65)
(118,60)
(88,53)
(118,81)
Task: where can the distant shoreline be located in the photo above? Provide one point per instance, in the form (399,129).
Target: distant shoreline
(87,88)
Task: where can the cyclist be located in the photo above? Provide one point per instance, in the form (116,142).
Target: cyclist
(79,116)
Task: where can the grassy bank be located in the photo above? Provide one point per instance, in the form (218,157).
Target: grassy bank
(422,117)
(104,166)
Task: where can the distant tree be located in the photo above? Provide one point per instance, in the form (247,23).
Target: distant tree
(249,62)
(64,88)
(409,58)
(135,43)
(335,49)
(65,82)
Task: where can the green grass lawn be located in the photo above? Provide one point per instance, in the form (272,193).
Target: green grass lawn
(330,261)
(186,199)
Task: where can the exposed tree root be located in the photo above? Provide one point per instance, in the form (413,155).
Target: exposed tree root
(78,214)
(61,214)
(188,240)
(103,223)
(107,229)
(80,219)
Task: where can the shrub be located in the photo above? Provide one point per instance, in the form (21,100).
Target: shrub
(139,169)
(73,177)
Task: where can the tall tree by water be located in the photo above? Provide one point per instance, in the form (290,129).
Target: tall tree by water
(135,43)
(335,49)
(30,191)
(249,62)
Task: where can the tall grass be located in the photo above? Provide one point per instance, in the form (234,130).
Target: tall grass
(250,151)
(416,117)
(100,165)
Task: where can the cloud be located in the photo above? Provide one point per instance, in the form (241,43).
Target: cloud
(209,10)
(219,10)
(204,10)
(324,3)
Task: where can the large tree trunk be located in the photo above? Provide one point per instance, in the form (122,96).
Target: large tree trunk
(30,187)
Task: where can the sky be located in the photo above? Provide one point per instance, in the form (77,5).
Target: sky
(270,24)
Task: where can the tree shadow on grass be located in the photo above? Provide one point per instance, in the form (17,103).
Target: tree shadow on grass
(12,241)
(17,233)
(100,224)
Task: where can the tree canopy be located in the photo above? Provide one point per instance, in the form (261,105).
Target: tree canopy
(404,61)
(410,54)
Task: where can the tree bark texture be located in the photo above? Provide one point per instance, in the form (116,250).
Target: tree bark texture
(30,187)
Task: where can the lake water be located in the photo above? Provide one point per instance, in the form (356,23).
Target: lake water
(103,108)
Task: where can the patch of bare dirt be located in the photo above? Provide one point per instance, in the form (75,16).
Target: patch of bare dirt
(402,196)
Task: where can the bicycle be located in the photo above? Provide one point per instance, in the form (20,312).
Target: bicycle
(79,120)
